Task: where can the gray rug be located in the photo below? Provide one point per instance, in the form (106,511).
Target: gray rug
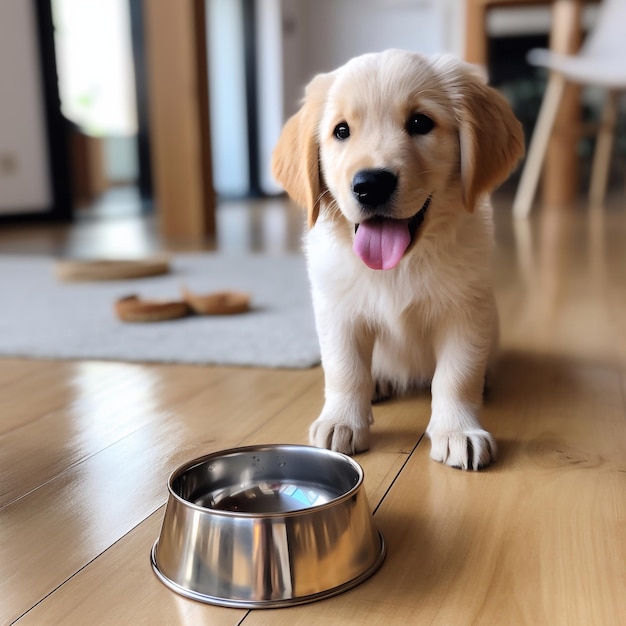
(42,317)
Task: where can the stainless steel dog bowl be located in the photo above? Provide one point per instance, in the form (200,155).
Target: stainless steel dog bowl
(267,526)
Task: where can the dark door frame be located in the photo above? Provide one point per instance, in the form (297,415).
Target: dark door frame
(56,126)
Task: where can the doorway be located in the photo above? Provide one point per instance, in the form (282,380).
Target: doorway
(99,53)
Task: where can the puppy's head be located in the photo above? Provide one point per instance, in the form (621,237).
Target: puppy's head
(388,135)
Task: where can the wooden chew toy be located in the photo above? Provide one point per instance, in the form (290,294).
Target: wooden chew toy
(218,303)
(132,309)
(75,269)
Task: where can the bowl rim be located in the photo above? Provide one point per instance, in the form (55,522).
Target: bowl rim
(338,456)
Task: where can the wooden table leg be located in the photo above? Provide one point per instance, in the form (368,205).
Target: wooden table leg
(561,170)
(604,145)
(476,36)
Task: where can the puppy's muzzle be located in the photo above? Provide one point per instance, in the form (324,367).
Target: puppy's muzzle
(373,188)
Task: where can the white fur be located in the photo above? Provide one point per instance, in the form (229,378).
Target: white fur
(432,318)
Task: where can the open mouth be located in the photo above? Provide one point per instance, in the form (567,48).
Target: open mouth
(381,242)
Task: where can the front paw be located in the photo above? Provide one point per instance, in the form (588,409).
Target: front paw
(339,435)
(467,449)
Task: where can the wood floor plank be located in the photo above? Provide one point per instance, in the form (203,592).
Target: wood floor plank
(552,289)
(28,394)
(13,369)
(514,544)
(96,502)
(97,586)
(108,402)
(94,595)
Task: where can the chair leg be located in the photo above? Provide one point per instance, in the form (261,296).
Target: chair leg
(602,152)
(538,146)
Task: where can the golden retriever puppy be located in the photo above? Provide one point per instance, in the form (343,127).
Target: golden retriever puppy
(393,155)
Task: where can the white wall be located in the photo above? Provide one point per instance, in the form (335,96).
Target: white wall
(24,175)
(321,35)
(229,131)
(269,85)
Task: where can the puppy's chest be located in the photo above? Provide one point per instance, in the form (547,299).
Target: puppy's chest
(385,299)
(397,317)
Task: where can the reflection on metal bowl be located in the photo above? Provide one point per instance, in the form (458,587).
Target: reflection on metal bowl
(267,526)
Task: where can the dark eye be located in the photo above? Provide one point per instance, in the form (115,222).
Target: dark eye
(419,124)
(342,131)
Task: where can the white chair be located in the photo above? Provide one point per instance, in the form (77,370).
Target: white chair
(601,62)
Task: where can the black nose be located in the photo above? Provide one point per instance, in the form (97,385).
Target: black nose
(374,187)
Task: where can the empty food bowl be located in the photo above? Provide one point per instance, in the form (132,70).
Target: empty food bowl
(267,526)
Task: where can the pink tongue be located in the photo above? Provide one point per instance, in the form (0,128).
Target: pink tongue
(381,243)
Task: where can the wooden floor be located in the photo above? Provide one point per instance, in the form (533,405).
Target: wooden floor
(538,538)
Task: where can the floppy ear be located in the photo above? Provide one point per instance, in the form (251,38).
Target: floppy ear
(490,136)
(295,162)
